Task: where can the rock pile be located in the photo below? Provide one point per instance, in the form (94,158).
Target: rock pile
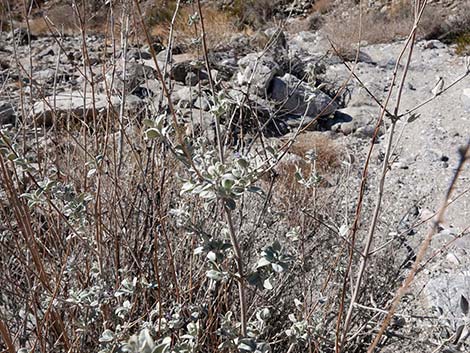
(60,80)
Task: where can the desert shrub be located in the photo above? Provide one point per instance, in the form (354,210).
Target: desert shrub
(463,43)
(322,6)
(254,13)
(125,235)
(161,12)
(377,27)
(453,30)
(219,25)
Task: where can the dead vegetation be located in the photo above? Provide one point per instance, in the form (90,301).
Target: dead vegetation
(111,233)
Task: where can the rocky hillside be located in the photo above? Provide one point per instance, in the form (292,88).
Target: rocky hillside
(260,189)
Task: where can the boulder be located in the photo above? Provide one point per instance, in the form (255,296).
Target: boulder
(251,113)
(22,36)
(258,70)
(137,54)
(188,72)
(291,95)
(75,106)
(277,38)
(136,75)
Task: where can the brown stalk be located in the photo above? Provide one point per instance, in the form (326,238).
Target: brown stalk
(5,334)
(380,191)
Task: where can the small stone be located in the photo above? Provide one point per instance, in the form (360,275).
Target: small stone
(400,165)
(444,158)
(452,259)
(465,98)
(365,132)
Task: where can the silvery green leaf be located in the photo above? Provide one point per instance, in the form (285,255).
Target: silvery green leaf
(152,133)
(215,275)
(237,190)
(458,333)
(294,234)
(193,328)
(164,346)
(146,342)
(267,284)
(298,303)
(207,194)
(464,304)
(343,230)
(255,279)
(243,163)
(91,172)
(277,267)
(247,345)
(264,314)
(187,187)
(228,183)
(148,122)
(413,117)
(231,204)
(263,262)
(106,336)
(298,175)
(256,190)
(237,173)
(212,256)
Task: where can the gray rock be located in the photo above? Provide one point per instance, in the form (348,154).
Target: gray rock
(350,119)
(291,94)
(444,290)
(153,87)
(296,121)
(184,97)
(366,132)
(136,75)
(307,42)
(137,54)
(433,44)
(162,56)
(44,76)
(45,52)
(7,113)
(187,97)
(465,98)
(22,36)
(259,70)
(73,105)
(277,39)
(199,122)
(188,72)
